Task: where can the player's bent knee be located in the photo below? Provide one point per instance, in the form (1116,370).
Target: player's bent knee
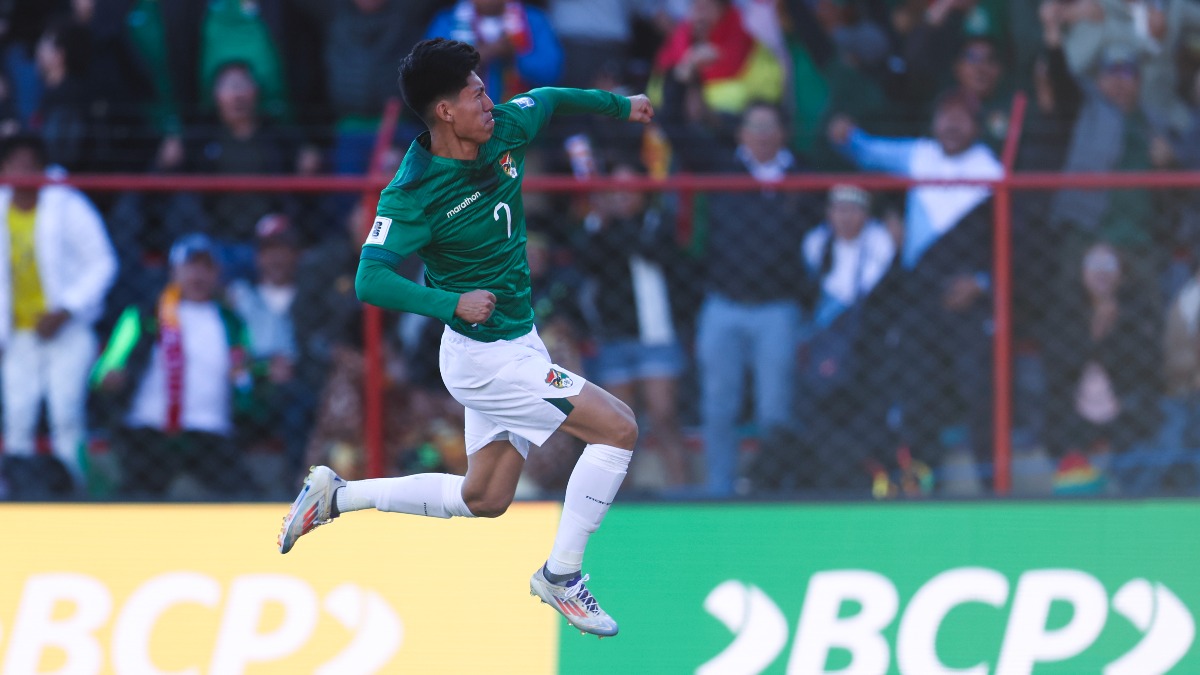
(488,507)
(624,428)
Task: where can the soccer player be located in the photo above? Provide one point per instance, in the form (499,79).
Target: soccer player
(456,202)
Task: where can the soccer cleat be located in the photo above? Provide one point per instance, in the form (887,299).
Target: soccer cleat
(574,602)
(312,506)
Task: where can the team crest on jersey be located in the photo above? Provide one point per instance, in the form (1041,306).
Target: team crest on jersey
(508,166)
(558,379)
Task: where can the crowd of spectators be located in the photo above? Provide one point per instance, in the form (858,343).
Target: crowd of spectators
(833,341)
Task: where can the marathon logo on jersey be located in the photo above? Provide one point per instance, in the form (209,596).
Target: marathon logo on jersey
(508,166)
(379,230)
(463,204)
(558,379)
(524,102)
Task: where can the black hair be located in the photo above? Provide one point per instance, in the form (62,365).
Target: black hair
(24,140)
(435,69)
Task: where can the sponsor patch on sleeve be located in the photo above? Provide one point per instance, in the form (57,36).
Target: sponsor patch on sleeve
(524,102)
(379,230)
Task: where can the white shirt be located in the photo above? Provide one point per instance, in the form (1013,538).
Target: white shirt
(858,264)
(206,385)
(770,171)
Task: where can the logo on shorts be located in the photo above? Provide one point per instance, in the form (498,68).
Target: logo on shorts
(508,166)
(558,379)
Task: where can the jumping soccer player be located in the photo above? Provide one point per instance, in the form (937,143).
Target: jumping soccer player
(456,203)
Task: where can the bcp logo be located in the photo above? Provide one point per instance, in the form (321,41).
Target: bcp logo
(1030,638)
(265,618)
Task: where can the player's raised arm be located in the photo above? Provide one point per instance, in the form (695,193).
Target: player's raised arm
(533,110)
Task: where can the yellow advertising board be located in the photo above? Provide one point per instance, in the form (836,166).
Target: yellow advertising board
(186,590)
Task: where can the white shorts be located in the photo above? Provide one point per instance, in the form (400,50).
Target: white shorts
(511,389)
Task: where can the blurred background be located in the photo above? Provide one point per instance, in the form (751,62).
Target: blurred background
(766,274)
(904,293)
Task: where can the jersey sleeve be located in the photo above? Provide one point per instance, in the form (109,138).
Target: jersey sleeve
(531,111)
(400,229)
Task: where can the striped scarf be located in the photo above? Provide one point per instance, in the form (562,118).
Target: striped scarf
(170,337)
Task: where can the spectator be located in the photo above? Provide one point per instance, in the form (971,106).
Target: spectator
(1187,150)
(1054,104)
(283,402)
(517,45)
(10,125)
(55,272)
(720,65)
(328,319)
(241,143)
(845,258)
(750,318)
(1113,133)
(937,35)
(1103,377)
(301,28)
(979,73)
(326,314)
(21,26)
(935,309)
(839,58)
(595,34)
(119,88)
(62,115)
(170,377)
(366,40)
(1152,31)
(237,31)
(165,38)
(628,251)
(1181,368)
(942,32)
(554,288)
(1187,156)
(1053,107)
(953,152)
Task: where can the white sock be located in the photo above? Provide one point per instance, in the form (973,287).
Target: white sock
(438,495)
(590,491)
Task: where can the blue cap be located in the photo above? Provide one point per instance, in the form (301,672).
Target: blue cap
(189,246)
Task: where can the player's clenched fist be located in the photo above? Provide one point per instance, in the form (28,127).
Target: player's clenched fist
(476,306)
(640,109)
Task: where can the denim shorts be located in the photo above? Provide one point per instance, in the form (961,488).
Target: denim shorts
(623,361)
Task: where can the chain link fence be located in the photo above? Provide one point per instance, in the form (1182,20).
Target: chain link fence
(775,339)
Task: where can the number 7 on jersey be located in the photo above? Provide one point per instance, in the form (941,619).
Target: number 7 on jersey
(507,214)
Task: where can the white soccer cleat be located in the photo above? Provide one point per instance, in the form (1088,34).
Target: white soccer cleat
(312,506)
(574,602)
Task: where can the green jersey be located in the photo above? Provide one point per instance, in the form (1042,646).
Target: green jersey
(466,220)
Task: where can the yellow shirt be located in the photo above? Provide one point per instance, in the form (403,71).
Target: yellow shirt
(28,301)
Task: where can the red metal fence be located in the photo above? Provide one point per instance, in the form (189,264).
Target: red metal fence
(687,186)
